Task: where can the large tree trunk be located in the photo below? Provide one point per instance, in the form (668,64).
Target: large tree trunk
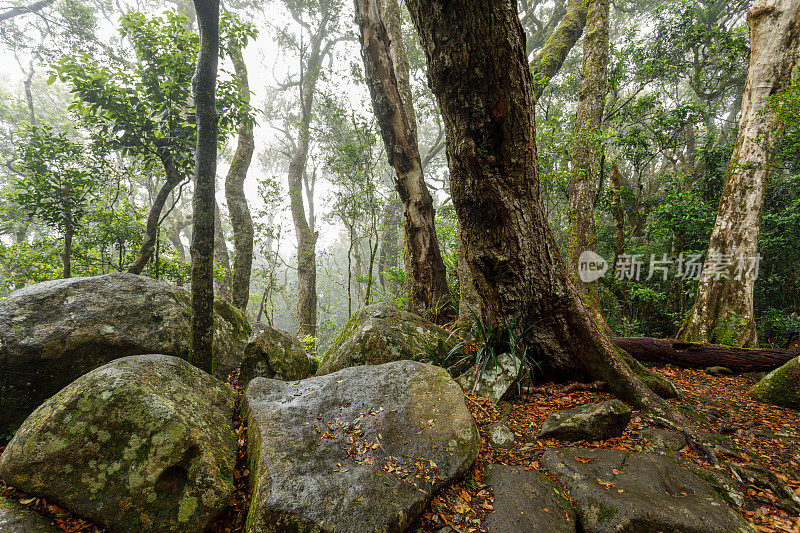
(723,309)
(306,236)
(477,68)
(587,149)
(469,303)
(386,68)
(239,211)
(552,56)
(703,355)
(173,179)
(202,248)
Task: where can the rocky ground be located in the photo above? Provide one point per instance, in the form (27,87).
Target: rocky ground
(771,433)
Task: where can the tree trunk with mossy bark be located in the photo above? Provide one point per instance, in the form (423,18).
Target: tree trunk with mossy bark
(241,220)
(587,149)
(475,51)
(222,258)
(202,248)
(387,75)
(555,50)
(723,309)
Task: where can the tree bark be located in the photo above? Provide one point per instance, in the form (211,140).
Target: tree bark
(587,149)
(202,248)
(239,211)
(617,212)
(173,179)
(469,303)
(66,253)
(386,67)
(551,57)
(723,309)
(306,236)
(694,355)
(221,257)
(477,69)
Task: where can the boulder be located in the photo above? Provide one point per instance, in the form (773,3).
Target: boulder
(382,333)
(55,331)
(360,450)
(142,444)
(595,421)
(662,440)
(498,379)
(16,518)
(781,386)
(271,353)
(526,501)
(617,490)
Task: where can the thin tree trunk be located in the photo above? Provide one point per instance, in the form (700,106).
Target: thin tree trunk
(306,236)
(551,57)
(723,309)
(239,211)
(202,249)
(477,69)
(617,212)
(173,179)
(387,74)
(221,257)
(29,94)
(66,253)
(390,241)
(587,149)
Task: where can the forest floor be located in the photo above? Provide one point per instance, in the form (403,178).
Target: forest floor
(771,433)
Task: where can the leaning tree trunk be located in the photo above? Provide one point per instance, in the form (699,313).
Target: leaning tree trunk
(202,249)
(477,69)
(555,50)
(306,236)
(173,179)
(222,258)
(723,309)
(239,211)
(386,68)
(587,149)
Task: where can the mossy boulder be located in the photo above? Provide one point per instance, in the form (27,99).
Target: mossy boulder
(498,379)
(142,444)
(594,421)
(781,386)
(16,518)
(617,490)
(55,331)
(362,449)
(275,354)
(382,333)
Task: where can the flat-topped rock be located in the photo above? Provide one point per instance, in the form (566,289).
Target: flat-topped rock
(617,490)
(360,450)
(526,501)
(594,421)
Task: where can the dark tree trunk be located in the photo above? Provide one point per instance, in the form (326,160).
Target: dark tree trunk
(477,69)
(587,149)
(617,212)
(173,179)
(694,355)
(386,68)
(66,253)
(202,249)
(239,211)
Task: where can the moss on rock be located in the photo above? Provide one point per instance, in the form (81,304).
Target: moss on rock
(781,386)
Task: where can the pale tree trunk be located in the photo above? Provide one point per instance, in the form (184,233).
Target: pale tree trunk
(551,57)
(241,221)
(306,236)
(221,257)
(478,71)
(723,309)
(587,149)
(202,248)
(387,74)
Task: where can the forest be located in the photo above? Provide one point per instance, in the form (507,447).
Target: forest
(383,265)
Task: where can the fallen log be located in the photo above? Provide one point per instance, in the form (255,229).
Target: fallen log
(694,355)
